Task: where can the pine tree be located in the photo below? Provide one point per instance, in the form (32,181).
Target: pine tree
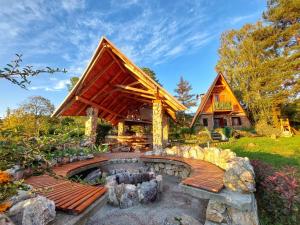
(151,74)
(183,93)
(261,61)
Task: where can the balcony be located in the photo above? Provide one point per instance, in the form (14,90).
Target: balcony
(222,106)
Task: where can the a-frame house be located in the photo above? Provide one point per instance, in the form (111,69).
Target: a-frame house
(219,107)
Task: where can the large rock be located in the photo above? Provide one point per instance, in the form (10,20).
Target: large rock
(240,176)
(21,196)
(34,211)
(181,220)
(130,196)
(148,191)
(215,211)
(16,172)
(226,156)
(4,220)
(93,176)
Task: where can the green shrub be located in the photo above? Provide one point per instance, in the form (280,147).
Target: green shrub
(265,129)
(102,131)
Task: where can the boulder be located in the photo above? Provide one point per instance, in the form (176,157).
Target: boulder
(4,220)
(226,156)
(240,176)
(215,211)
(148,191)
(21,196)
(181,220)
(212,155)
(129,197)
(16,172)
(34,211)
(93,176)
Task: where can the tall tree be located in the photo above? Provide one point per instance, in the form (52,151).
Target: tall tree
(261,61)
(18,75)
(151,74)
(73,82)
(38,107)
(183,93)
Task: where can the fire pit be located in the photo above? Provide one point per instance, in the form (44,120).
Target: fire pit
(127,189)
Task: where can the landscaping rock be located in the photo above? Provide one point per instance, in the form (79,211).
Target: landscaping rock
(181,220)
(148,192)
(215,211)
(93,176)
(16,172)
(240,176)
(4,220)
(21,196)
(130,196)
(34,211)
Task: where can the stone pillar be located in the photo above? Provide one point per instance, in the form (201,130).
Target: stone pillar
(157,126)
(165,129)
(91,124)
(121,128)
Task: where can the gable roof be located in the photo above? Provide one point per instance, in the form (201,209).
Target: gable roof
(114,84)
(208,94)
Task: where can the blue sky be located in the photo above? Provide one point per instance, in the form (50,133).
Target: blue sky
(173,37)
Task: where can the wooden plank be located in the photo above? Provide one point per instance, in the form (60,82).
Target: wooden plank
(128,88)
(86,101)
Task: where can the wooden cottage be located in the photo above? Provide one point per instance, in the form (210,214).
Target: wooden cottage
(115,89)
(220,108)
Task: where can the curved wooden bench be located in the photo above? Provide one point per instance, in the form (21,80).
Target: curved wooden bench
(69,196)
(204,175)
(68,170)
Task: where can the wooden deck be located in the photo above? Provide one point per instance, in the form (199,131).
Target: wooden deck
(74,198)
(69,169)
(68,196)
(204,175)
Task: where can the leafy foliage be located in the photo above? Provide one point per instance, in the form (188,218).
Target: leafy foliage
(151,74)
(73,82)
(261,61)
(18,75)
(277,194)
(102,131)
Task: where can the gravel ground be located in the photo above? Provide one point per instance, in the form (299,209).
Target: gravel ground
(173,203)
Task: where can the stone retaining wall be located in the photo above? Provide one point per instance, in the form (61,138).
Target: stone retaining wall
(234,205)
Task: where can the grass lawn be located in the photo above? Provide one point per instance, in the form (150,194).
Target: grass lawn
(279,152)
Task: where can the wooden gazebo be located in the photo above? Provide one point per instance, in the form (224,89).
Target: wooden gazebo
(111,87)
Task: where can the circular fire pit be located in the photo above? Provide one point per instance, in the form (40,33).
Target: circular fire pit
(127,189)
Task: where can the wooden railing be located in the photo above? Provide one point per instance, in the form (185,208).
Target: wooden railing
(222,106)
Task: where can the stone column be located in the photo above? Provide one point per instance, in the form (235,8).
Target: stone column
(165,129)
(157,126)
(121,128)
(91,124)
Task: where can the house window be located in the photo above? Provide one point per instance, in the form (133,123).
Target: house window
(217,99)
(236,121)
(205,122)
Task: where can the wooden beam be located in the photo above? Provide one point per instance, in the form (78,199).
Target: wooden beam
(117,61)
(86,101)
(138,99)
(133,83)
(128,88)
(138,94)
(91,83)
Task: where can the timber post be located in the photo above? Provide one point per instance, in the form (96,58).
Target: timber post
(91,124)
(121,128)
(165,128)
(157,126)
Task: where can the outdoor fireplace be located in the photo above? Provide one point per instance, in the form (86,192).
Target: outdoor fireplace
(127,188)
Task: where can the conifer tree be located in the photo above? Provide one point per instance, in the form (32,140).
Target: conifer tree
(183,93)
(261,61)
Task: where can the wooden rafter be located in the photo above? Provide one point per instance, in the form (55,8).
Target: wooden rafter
(128,88)
(92,82)
(86,101)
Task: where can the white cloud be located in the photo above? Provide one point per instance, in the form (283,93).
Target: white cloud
(71,5)
(58,85)
(239,19)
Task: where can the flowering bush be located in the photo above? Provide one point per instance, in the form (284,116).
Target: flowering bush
(277,193)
